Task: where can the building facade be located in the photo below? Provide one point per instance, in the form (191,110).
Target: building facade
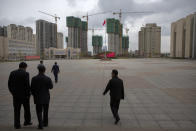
(183,38)
(150,41)
(3,31)
(77,34)
(68,53)
(97,43)
(125,45)
(18,43)
(114,30)
(46,36)
(60,42)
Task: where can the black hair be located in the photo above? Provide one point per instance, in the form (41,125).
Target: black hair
(41,61)
(23,65)
(55,63)
(115,72)
(41,68)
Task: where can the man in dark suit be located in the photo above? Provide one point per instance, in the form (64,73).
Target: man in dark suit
(116,88)
(19,87)
(55,70)
(40,86)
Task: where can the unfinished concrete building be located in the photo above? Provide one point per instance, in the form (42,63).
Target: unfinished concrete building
(183,38)
(97,43)
(125,45)
(77,34)
(150,40)
(60,43)
(114,30)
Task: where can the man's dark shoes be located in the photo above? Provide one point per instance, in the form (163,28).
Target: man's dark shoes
(45,125)
(27,123)
(40,127)
(116,122)
(17,127)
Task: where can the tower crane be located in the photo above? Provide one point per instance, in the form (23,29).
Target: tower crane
(127,31)
(87,15)
(93,30)
(55,18)
(129,12)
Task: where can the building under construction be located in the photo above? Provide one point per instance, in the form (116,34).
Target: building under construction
(114,30)
(97,43)
(77,34)
(125,45)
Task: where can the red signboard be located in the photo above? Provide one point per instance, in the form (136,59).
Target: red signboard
(32,57)
(108,54)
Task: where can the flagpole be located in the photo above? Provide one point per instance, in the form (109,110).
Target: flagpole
(105,43)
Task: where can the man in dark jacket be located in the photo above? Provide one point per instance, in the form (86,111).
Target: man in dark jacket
(116,88)
(40,86)
(19,87)
(55,70)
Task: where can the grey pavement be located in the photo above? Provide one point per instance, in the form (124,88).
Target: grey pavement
(160,94)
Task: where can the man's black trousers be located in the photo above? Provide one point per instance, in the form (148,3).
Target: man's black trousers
(56,77)
(42,114)
(17,102)
(114,104)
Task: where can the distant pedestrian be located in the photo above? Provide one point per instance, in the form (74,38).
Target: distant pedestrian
(56,71)
(116,88)
(19,87)
(41,63)
(40,86)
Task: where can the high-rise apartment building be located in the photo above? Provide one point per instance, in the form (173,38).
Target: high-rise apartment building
(114,30)
(46,36)
(60,43)
(150,40)
(77,34)
(183,37)
(97,43)
(16,42)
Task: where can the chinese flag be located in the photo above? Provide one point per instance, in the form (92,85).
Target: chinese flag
(104,22)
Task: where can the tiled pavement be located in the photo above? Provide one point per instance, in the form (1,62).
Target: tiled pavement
(160,95)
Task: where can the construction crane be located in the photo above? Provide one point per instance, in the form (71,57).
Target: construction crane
(87,15)
(55,18)
(127,31)
(93,30)
(129,12)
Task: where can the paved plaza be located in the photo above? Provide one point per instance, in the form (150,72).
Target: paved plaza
(160,94)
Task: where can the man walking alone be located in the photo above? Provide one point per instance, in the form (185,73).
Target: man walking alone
(55,70)
(116,88)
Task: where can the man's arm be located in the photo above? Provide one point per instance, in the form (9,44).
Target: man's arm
(10,83)
(33,86)
(107,87)
(50,85)
(52,69)
(123,94)
(58,69)
(28,85)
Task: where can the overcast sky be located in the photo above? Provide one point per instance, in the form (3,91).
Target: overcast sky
(25,12)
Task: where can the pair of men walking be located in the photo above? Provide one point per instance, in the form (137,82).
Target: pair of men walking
(21,90)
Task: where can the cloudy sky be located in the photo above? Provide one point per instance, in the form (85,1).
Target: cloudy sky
(25,12)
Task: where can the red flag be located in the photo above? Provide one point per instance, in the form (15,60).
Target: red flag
(104,22)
